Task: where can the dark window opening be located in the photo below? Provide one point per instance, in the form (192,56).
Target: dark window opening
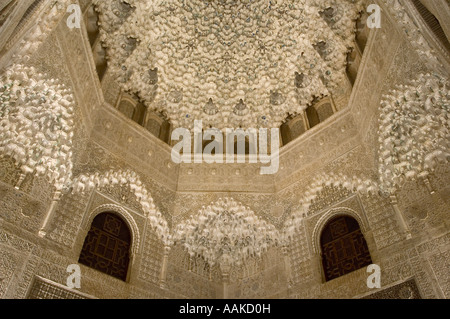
(107,246)
(344,248)
(313,116)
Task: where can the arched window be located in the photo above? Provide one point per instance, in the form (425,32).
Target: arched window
(107,246)
(127,108)
(313,116)
(158,125)
(293,128)
(344,248)
(153,126)
(285,132)
(324,110)
(297,127)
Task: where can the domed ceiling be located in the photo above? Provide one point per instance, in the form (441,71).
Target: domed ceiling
(247,63)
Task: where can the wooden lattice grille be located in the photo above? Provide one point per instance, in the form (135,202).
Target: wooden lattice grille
(344,248)
(107,246)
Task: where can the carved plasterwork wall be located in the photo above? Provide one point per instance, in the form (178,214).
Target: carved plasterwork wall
(331,169)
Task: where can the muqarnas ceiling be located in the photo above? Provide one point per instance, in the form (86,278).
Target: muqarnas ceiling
(247,63)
